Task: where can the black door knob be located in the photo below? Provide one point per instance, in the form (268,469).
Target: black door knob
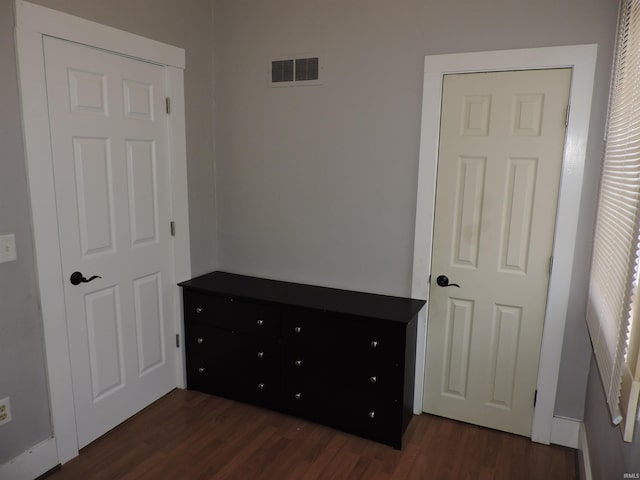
(443,281)
(77,278)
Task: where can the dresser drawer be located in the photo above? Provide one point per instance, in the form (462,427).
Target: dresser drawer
(256,318)
(231,363)
(351,341)
(259,387)
(209,309)
(298,399)
(249,352)
(210,358)
(233,314)
(373,419)
(368,416)
(313,375)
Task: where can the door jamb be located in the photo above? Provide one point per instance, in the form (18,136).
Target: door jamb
(33,22)
(582,59)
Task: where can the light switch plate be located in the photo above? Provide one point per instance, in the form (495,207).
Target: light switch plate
(7,248)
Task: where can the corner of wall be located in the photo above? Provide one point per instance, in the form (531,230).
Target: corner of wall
(584,460)
(34,462)
(565,431)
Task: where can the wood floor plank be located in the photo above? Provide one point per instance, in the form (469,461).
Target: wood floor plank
(194,436)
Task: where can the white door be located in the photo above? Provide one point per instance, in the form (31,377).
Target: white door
(500,154)
(108,131)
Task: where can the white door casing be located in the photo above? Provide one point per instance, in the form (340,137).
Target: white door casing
(33,24)
(110,162)
(581,59)
(501,145)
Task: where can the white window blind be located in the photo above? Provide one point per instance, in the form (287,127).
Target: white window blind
(613,283)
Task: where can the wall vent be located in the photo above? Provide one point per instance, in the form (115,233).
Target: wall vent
(282,71)
(306,69)
(295,71)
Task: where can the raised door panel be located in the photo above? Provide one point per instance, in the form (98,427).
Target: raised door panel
(143,201)
(470,189)
(88,92)
(94,195)
(516,223)
(457,346)
(505,336)
(138,100)
(150,322)
(106,350)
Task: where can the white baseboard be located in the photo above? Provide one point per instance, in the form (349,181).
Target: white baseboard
(584,460)
(31,464)
(571,433)
(565,431)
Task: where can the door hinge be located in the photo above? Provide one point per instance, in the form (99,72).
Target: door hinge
(177,340)
(550,264)
(566,118)
(535,398)
(168,103)
(172,227)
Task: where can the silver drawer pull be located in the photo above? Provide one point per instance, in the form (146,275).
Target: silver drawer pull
(297,329)
(261,386)
(199,309)
(374,343)
(298,363)
(298,396)
(260,354)
(372,415)
(201,370)
(260,322)
(373,379)
(200,340)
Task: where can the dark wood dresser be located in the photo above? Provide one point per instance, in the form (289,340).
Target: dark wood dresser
(345,359)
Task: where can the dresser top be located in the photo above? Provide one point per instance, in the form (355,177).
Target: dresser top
(398,309)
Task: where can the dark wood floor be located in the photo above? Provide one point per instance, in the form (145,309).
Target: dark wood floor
(190,435)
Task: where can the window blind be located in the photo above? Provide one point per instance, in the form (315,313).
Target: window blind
(613,282)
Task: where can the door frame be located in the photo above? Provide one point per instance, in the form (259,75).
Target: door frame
(33,22)
(581,59)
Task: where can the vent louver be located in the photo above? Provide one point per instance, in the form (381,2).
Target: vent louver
(282,71)
(306,69)
(296,71)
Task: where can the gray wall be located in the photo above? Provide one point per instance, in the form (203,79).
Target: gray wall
(22,368)
(318,184)
(184,23)
(610,457)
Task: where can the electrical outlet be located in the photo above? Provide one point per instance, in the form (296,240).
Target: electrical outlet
(5,411)
(7,248)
